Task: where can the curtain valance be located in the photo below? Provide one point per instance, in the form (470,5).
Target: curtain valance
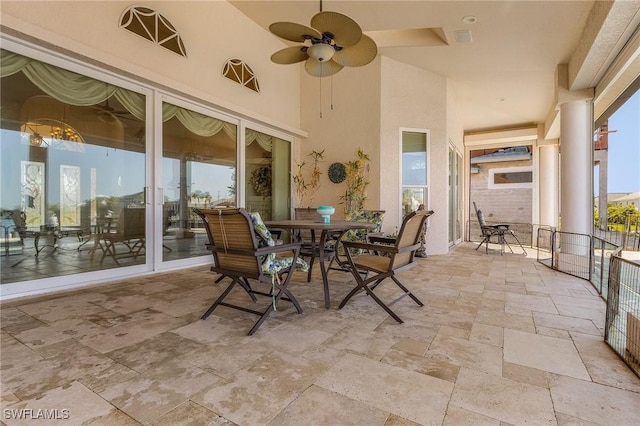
(76,89)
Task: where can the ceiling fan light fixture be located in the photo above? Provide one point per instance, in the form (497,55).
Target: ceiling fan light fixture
(321,52)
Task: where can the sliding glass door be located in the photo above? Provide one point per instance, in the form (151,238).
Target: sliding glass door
(455,196)
(73,164)
(267,175)
(100,180)
(199,156)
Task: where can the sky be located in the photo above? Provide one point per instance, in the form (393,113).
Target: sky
(624,147)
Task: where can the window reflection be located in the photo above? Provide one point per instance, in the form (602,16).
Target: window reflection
(199,170)
(267,175)
(73,157)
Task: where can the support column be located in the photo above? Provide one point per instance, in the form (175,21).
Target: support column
(576,167)
(549,185)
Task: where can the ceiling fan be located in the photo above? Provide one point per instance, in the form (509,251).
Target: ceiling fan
(107,113)
(333,41)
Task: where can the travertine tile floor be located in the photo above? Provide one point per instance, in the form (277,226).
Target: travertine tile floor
(501,340)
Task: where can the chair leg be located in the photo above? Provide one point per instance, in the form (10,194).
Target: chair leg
(519,243)
(406,291)
(312,259)
(282,290)
(244,283)
(220,298)
(363,285)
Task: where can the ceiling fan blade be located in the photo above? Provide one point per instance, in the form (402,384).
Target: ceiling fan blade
(289,55)
(357,55)
(293,32)
(321,69)
(346,32)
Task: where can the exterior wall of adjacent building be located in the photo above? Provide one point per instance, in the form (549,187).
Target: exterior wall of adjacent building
(512,205)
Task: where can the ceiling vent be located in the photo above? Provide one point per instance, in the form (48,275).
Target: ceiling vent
(463,36)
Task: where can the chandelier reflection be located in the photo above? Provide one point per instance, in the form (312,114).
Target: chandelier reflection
(50,133)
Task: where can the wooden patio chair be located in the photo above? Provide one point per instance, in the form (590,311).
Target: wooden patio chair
(498,231)
(385,261)
(128,230)
(243,249)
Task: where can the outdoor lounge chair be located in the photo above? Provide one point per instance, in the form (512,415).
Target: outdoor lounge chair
(498,231)
(243,249)
(385,261)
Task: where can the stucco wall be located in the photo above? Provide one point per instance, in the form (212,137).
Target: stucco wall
(212,32)
(417,100)
(352,123)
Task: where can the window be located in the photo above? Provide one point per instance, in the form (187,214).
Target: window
(511,177)
(414,170)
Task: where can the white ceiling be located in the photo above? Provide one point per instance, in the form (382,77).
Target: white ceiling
(503,78)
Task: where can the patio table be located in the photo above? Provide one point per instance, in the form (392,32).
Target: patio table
(53,233)
(338,228)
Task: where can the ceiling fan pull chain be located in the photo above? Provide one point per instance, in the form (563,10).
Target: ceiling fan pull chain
(320,96)
(331,93)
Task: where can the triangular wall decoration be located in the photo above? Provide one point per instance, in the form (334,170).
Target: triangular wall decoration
(149,24)
(236,70)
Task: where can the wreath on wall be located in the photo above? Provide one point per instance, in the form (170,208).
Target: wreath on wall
(260,180)
(337,172)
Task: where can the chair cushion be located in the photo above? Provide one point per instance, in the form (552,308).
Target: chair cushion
(271,263)
(481,218)
(360,235)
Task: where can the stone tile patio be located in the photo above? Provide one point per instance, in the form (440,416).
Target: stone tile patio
(501,340)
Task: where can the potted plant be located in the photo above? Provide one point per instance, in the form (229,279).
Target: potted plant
(307,186)
(357,181)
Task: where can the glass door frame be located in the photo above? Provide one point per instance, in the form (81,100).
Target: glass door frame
(158,192)
(455,201)
(241,180)
(71,281)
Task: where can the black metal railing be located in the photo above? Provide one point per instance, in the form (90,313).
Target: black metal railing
(616,279)
(566,252)
(625,235)
(622,324)
(603,251)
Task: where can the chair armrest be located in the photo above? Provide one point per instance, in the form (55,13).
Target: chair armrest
(259,252)
(381,239)
(367,246)
(501,225)
(279,248)
(495,228)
